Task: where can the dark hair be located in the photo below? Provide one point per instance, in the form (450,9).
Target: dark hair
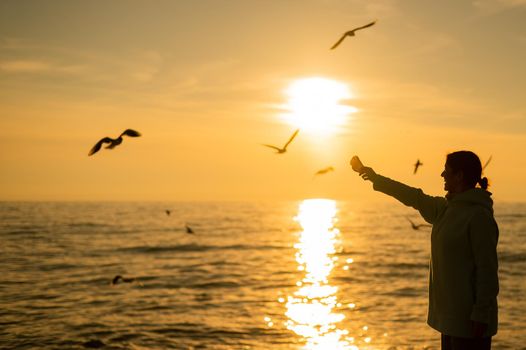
(469,163)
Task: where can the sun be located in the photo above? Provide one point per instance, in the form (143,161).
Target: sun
(314,105)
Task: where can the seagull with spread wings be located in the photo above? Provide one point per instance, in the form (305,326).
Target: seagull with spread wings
(350,33)
(284,148)
(113,142)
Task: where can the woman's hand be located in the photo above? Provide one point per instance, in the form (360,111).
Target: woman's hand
(356,164)
(365,172)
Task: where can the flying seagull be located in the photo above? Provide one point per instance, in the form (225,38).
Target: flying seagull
(350,33)
(487,162)
(113,142)
(324,171)
(284,149)
(415,226)
(417,164)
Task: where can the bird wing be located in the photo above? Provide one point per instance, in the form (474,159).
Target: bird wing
(339,41)
(487,162)
(273,147)
(325,170)
(114,143)
(417,164)
(98,145)
(131,132)
(365,26)
(291,138)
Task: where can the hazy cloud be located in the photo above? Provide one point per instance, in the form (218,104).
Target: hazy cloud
(424,103)
(25,56)
(24,66)
(382,9)
(34,66)
(489,7)
(146,65)
(432,43)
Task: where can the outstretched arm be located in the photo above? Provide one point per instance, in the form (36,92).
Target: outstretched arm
(428,206)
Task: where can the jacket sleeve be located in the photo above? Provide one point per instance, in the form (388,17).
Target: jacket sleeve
(484,235)
(429,207)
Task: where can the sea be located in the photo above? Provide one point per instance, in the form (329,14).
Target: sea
(310,274)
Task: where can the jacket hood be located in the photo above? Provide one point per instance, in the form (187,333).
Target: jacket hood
(474,196)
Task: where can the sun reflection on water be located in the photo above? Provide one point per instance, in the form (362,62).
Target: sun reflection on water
(311,309)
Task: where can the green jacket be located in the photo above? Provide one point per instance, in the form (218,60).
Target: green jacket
(463,272)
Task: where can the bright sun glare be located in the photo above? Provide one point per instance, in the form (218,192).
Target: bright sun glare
(314,105)
(312,309)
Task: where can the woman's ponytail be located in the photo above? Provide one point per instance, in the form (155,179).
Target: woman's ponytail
(483,183)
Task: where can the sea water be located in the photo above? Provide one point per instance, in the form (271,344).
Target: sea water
(312,274)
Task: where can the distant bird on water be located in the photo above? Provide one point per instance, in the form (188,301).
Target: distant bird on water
(168,212)
(118,278)
(113,142)
(415,226)
(324,170)
(284,149)
(350,33)
(189,230)
(417,165)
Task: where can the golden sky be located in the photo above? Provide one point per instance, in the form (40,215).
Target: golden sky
(208,82)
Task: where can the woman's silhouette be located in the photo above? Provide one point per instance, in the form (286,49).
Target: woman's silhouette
(463,279)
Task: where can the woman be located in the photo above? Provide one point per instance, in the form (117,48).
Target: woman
(463,279)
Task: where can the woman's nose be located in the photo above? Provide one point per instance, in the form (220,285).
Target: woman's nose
(443,174)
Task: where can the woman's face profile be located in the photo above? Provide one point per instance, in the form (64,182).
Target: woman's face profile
(452,180)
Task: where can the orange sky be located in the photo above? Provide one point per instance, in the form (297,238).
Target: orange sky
(205,83)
